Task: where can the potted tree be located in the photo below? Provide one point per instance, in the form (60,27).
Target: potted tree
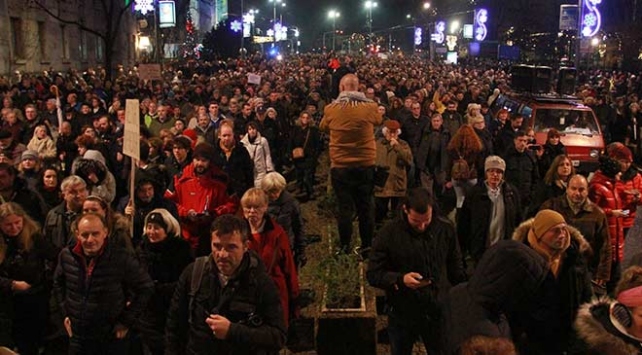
(348,315)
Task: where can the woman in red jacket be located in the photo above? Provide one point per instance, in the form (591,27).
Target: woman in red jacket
(272,244)
(630,183)
(602,191)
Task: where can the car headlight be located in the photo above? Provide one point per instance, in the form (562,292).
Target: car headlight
(594,153)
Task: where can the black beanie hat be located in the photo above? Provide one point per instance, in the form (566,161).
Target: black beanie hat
(157,218)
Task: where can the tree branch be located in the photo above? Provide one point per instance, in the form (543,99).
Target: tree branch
(68,22)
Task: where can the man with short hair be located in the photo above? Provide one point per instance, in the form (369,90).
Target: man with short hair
(32,120)
(200,196)
(57,226)
(102,290)
(521,168)
(206,316)
(415,258)
(350,120)
(452,119)
(163,121)
(234,160)
(504,140)
(590,220)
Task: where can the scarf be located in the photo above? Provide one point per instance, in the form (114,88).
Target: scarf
(554,258)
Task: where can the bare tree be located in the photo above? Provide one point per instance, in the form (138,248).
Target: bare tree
(107,28)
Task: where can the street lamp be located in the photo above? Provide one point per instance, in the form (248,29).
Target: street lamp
(274,2)
(426,5)
(334,15)
(369,6)
(454,26)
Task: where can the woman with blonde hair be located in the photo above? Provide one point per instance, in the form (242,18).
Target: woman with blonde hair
(24,296)
(465,152)
(270,242)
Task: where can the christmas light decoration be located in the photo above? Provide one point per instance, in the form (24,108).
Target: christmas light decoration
(481,17)
(591,18)
(144,6)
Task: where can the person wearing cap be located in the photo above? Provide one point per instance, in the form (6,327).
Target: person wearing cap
(393,154)
(490,212)
(164,254)
(200,194)
(567,281)
(603,192)
(590,220)
(613,326)
(29,168)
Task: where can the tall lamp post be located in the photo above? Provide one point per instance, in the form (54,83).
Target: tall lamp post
(274,4)
(369,5)
(333,15)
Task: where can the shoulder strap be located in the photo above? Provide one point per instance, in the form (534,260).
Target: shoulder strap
(306,137)
(197,277)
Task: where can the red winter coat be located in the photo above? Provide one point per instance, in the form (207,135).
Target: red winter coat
(201,193)
(602,192)
(629,201)
(273,246)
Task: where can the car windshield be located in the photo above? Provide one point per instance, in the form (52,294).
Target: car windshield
(566,121)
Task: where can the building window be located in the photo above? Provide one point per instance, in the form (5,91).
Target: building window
(17,38)
(82,46)
(100,48)
(42,40)
(64,41)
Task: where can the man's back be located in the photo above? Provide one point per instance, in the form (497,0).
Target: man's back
(350,120)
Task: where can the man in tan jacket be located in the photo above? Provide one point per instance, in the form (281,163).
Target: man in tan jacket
(350,120)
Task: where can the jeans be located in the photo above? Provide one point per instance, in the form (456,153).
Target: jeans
(354,189)
(403,333)
(461,189)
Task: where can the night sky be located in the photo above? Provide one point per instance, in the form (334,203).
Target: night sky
(310,16)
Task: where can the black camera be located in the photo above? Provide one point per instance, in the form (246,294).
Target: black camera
(253,320)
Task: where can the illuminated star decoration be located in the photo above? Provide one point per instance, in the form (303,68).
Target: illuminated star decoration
(236,26)
(144,6)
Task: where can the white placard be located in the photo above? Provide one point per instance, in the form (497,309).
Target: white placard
(149,71)
(131,140)
(254,79)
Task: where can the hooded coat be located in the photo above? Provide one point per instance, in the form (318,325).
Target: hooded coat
(508,283)
(94,162)
(549,330)
(599,334)
(602,192)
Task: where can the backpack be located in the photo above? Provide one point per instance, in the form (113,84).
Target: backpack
(460,170)
(197,277)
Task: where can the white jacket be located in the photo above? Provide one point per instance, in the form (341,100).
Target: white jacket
(259,151)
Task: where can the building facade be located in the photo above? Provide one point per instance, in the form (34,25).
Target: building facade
(32,40)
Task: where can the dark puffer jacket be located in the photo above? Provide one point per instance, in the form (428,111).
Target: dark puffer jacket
(164,261)
(287,213)
(250,291)
(94,293)
(572,288)
(506,284)
(521,172)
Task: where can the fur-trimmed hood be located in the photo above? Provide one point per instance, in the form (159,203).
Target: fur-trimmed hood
(595,328)
(521,235)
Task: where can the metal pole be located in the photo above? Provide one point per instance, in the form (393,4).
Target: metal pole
(578,39)
(242,33)
(334,31)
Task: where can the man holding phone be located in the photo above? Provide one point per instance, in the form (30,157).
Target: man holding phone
(414,258)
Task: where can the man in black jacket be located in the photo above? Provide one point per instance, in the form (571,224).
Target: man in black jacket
(521,168)
(234,160)
(495,206)
(226,303)
(415,258)
(102,290)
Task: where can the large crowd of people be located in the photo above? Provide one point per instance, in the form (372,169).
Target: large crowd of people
(479,237)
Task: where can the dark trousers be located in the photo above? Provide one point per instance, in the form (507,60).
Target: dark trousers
(30,318)
(381,207)
(354,189)
(304,169)
(404,332)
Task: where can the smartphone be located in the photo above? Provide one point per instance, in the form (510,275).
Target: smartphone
(534,147)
